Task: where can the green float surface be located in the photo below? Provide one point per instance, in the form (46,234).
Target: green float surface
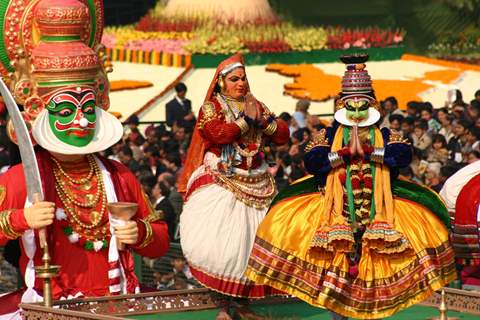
(297,57)
(301,311)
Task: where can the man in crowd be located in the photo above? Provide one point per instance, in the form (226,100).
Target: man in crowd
(179,110)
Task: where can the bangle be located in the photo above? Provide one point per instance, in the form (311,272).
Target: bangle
(335,159)
(377,155)
(6,226)
(242,124)
(148,234)
(271,128)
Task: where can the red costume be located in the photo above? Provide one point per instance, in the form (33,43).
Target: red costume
(62,84)
(229,188)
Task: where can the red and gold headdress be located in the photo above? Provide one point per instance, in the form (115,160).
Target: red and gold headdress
(50,46)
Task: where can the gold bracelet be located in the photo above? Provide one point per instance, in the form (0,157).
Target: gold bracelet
(271,128)
(242,124)
(6,226)
(148,234)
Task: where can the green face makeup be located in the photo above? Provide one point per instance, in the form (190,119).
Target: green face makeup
(72,117)
(357,110)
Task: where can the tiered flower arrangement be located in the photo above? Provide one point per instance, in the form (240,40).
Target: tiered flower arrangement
(464,46)
(202,35)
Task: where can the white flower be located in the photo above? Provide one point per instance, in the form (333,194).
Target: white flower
(60,214)
(73,238)
(97,245)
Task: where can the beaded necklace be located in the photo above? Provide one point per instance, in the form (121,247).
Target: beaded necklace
(93,234)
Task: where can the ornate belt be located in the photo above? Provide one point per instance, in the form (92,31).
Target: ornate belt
(255,190)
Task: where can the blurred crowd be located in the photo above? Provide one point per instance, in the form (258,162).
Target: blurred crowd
(444,140)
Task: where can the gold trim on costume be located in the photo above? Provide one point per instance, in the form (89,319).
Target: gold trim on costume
(209,114)
(3,194)
(148,234)
(6,226)
(318,140)
(255,191)
(396,137)
(243,125)
(271,128)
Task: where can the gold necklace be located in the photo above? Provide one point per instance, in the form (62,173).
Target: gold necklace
(96,217)
(81,180)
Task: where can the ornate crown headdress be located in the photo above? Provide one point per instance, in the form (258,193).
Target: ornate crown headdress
(52,44)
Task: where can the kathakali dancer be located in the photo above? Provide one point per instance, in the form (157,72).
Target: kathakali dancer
(461,193)
(57,73)
(352,238)
(229,189)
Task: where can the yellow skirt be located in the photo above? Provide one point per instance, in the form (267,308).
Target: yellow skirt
(385,283)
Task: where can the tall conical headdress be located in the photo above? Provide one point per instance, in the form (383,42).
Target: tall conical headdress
(356,85)
(50,46)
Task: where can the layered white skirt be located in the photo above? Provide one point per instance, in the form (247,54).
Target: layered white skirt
(217,232)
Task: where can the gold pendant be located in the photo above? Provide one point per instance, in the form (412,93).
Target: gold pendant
(90,197)
(95,217)
(86,186)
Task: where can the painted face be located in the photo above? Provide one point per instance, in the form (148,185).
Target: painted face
(71,115)
(236,84)
(357,109)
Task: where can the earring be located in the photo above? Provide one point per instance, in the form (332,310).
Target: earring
(221,82)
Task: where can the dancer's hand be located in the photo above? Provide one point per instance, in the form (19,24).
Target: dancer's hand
(40,214)
(353,142)
(128,233)
(359,152)
(251,109)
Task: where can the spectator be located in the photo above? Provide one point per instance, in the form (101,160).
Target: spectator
(160,193)
(473,156)
(134,136)
(421,139)
(455,144)
(126,157)
(471,141)
(174,197)
(396,121)
(408,127)
(301,113)
(413,109)
(390,105)
(427,115)
(446,122)
(477,95)
(179,110)
(438,151)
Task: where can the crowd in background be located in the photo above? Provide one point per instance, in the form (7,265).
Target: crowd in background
(444,140)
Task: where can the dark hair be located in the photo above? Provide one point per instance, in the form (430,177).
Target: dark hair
(285,116)
(465,123)
(440,138)
(474,131)
(174,158)
(169,179)
(133,119)
(164,189)
(392,100)
(448,171)
(127,151)
(180,87)
(397,117)
(427,106)
(477,93)
(422,124)
(409,120)
(459,95)
(475,104)
(147,179)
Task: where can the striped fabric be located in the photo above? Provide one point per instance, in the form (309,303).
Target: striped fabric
(149,57)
